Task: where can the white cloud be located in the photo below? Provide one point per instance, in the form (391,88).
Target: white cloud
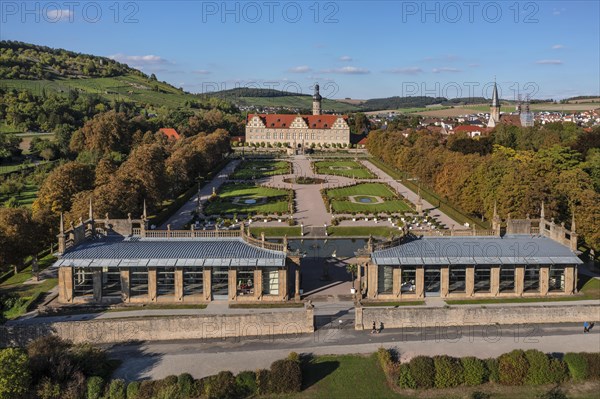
(474,65)
(556,11)
(406,71)
(445,69)
(557,46)
(300,69)
(345,58)
(201,72)
(59,15)
(348,70)
(549,62)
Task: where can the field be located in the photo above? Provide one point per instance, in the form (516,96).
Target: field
(126,88)
(250,170)
(383,197)
(232,199)
(343,168)
(25,197)
(302,102)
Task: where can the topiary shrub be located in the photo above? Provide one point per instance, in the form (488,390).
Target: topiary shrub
(168,392)
(294,356)
(285,376)
(95,387)
(557,371)
(493,374)
(593,365)
(146,390)
(513,368)
(474,371)
(405,379)
(263,378)
(538,372)
(577,364)
(220,386)
(448,371)
(116,390)
(422,371)
(246,383)
(385,360)
(185,383)
(133,388)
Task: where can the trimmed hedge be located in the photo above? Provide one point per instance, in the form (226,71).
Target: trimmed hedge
(286,376)
(513,368)
(185,383)
(95,387)
(448,371)
(246,383)
(405,379)
(474,371)
(593,365)
(133,388)
(578,366)
(422,370)
(263,381)
(117,390)
(221,386)
(493,371)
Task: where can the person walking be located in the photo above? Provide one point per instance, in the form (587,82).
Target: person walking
(586,327)
(374,329)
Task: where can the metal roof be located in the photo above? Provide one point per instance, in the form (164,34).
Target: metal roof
(140,252)
(507,250)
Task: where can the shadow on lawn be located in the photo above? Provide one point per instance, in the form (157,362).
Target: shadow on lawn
(314,371)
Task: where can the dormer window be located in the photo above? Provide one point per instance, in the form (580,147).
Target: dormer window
(326,125)
(314,125)
(272,124)
(283,125)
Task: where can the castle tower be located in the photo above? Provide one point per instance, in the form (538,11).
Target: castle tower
(317,101)
(494,108)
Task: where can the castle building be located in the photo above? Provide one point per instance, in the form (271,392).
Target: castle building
(299,131)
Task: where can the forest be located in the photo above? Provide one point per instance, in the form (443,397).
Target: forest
(517,168)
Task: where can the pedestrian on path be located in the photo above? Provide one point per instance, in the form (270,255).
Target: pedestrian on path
(374,329)
(586,327)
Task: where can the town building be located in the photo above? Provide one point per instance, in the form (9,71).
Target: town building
(299,131)
(530,258)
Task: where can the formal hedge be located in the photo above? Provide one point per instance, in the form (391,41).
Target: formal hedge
(578,366)
(422,370)
(513,368)
(474,371)
(285,376)
(448,371)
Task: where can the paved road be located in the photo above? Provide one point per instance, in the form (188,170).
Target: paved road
(412,196)
(184,214)
(159,359)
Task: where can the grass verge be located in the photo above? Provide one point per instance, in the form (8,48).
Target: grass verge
(266,305)
(276,231)
(361,231)
(394,304)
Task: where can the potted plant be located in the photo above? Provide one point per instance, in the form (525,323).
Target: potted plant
(352,269)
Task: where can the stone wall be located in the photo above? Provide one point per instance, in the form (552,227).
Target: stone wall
(109,331)
(406,317)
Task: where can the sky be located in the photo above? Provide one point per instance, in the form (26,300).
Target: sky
(353,49)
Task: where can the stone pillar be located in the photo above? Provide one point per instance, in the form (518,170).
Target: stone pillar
(258,283)
(65,284)
(494,280)
(152,294)
(420,282)
(358,318)
(576,278)
(544,280)
(372,280)
(125,285)
(396,283)
(283,285)
(519,279)
(444,281)
(470,280)
(207,283)
(178,284)
(357,283)
(297,284)
(570,281)
(97,281)
(231,284)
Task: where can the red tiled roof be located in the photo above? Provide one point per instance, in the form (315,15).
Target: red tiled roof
(363,141)
(170,133)
(283,121)
(510,120)
(466,128)
(239,139)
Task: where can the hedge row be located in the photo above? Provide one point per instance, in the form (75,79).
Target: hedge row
(518,367)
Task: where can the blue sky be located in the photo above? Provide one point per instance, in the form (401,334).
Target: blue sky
(357,49)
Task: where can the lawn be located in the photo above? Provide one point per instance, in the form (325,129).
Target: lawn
(290,231)
(277,200)
(362,231)
(25,198)
(343,168)
(394,304)
(342,204)
(250,170)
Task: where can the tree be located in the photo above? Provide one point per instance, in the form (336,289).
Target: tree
(15,377)
(17,237)
(106,132)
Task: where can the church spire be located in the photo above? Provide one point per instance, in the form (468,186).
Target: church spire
(494,108)
(495,101)
(317,101)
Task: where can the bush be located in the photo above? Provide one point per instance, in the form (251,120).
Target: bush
(474,371)
(92,361)
(220,386)
(513,368)
(558,371)
(133,388)
(116,390)
(75,388)
(146,390)
(47,389)
(422,371)
(493,374)
(246,383)
(294,356)
(285,376)
(448,371)
(263,381)
(95,387)
(14,372)
(167,392)
(185,382)
(593,365)
(554,393)
(539,367)
(385,360)
(577,364)
(49,357)
(405,379)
